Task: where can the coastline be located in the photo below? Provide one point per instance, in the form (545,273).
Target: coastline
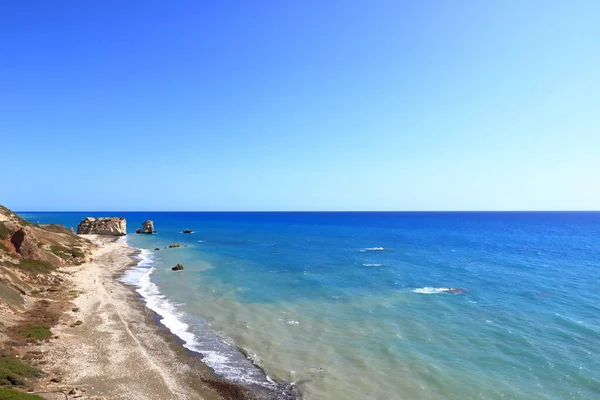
(120,350)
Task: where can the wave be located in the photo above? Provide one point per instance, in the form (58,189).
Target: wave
(139,276)
(434,290)
(431,290)
(372,265)
(218,355)
(373,249)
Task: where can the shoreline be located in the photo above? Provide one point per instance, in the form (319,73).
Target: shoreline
(112,346)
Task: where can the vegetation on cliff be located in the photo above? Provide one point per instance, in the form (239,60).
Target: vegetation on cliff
(11,394)
(14,372)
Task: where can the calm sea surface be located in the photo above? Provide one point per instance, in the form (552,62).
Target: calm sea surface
(356,305)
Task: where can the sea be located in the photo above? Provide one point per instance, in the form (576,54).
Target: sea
(379,305)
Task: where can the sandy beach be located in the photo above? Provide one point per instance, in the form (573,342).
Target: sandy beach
(109,346)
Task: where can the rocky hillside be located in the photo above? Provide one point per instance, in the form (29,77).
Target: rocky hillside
(32,290)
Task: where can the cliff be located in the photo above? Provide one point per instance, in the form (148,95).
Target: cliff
(102,226)
(32,289)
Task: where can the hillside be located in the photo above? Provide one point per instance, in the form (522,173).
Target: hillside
(33,292)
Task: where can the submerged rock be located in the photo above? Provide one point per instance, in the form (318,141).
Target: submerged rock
(174,245)
(455,290)
(111,226)
(178,267)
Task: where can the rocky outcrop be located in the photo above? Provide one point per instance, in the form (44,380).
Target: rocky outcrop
(102,226)
(178,267)
(25,243)
(147,228)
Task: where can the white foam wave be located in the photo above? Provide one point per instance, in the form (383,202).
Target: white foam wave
(201,241)
(139,276)
(373,249)
(210,347)
(372,265)
(431,290)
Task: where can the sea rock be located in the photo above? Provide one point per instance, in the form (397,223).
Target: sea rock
(110,226)
(157,248)
(174,245)
(178,267)
(187,231)
(138,230)
(148,227)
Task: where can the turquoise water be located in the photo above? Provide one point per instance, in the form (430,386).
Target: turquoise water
(356,305)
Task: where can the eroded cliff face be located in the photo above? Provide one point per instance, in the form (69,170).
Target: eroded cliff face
(29,253)
(103,226)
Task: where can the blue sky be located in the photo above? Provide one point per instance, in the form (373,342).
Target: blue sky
(300,105)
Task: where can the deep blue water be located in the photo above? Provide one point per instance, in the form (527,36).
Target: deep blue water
(355,305)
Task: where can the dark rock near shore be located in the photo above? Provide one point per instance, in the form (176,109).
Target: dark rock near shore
(157,248)
(102,226)
(174,245)
(178,267)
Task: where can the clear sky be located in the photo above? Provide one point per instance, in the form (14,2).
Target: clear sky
(300,105)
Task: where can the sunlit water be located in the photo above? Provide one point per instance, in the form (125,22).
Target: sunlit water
(357,306)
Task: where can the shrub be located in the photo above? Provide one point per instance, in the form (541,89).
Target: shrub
(37,332)
(7,263)
(11,394)
(60,251)
(4,231)
(4,247)
(37,266)
(66,253)
(12,372)
(76,252)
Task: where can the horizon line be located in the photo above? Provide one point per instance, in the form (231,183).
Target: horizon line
(302,211)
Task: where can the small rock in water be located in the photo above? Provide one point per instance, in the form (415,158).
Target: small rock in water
(178,267)
(187,231)
(174,245)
